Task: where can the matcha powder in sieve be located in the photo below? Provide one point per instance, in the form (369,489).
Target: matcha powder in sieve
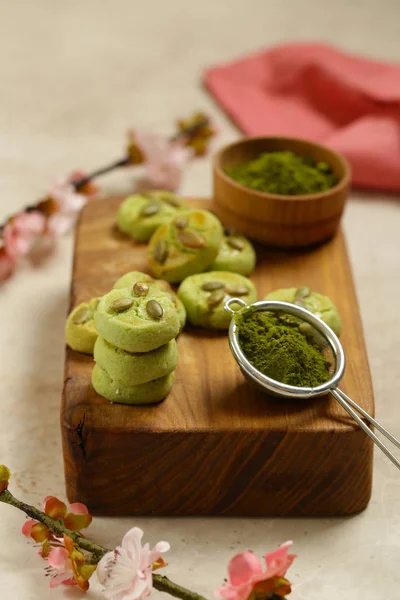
(277,348)
(284,173)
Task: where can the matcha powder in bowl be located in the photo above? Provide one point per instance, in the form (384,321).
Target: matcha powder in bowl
(284,173)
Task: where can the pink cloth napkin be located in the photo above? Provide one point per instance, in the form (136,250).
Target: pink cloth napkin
(313,91)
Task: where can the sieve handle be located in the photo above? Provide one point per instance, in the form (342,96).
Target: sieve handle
(228,307)
(368,417)
(345,401)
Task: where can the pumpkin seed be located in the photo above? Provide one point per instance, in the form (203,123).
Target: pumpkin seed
(82,316)
(215,298)
(141,288)
(314,337)
(229,231)
(120,304)
(172,201)
(305,328)
(191,239)
(237,290)
(160,252)
(95,303)
(181,222)
(302,292)
(164,285)
(299,302)
(154,309)
(210,286)
(173,297)
(236,243)
(149,210)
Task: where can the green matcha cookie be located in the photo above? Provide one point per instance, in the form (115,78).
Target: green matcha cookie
(137,319)
(133,277)
(186,245)
(140,215)
(80,328)
(204,296)
(128,368)
(144,393)
(235,254)
(320,305)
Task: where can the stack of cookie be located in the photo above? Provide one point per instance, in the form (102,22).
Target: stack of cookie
(136,352)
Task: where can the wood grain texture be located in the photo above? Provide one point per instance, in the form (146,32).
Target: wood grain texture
(215,446)
(279,220)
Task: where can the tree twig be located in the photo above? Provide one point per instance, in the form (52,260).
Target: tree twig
(161,583)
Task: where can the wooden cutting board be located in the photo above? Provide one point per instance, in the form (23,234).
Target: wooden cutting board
(215,446)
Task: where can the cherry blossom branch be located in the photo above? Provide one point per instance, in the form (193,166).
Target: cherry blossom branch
(129,568)
(161,583)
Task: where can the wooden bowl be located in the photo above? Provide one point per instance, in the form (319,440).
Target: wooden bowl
(279,220)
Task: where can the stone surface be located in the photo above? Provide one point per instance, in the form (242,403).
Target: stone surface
(74,75)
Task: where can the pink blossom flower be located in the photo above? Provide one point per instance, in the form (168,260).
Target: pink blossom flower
(69,202)
(126,572)
(21,232)
(7,264)
(76,518)
(164,160)
(36,531)
(71,564)
(247,577)
(59,559)
(196,132)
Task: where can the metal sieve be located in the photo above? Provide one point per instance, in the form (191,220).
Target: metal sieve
(277,388)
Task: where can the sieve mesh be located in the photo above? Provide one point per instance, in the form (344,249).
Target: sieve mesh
(315,337)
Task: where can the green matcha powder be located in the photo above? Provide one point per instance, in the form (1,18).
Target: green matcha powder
(276,347)
(284,173)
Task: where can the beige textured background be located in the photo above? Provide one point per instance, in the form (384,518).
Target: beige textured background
(73,76)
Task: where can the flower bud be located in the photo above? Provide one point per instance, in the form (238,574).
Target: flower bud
(135,154)
(4,478)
